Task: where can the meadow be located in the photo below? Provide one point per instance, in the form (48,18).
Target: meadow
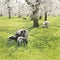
(43,43)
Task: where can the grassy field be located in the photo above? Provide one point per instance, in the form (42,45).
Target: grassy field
(43,43)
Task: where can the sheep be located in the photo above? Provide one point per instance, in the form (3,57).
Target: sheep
(45,24)
(22,36)
(22,33)
(12,38)
(21,40)
(19,33)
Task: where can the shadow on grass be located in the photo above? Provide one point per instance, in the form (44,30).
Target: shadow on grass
(30,28)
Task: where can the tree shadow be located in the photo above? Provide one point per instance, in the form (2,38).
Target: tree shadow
(30,28)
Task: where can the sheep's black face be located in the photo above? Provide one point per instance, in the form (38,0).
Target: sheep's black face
(13,38)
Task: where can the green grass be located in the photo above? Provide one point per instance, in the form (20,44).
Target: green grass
(43,43)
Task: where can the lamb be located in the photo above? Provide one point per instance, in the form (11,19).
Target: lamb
(45,24)
(21,40)
(22,36)
(12,38)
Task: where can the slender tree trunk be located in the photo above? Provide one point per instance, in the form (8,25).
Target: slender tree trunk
(19,16)
(9,14)
(9,11)
(40,17)
(1,15)
(45,16)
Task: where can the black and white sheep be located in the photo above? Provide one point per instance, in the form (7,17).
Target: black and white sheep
(21,40)
(20,35)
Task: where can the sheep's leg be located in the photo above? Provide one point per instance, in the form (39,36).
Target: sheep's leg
(10,41)
(18,43)
(25,41)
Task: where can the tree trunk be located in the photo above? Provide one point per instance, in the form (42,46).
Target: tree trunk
(19,16)
(35,8)
(45,16)
(9,11)
(9,14)
(35,22)
(1,15)
(40,17)
(35,18)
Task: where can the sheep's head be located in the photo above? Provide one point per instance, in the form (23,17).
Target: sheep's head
(12,38)
(21,40)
